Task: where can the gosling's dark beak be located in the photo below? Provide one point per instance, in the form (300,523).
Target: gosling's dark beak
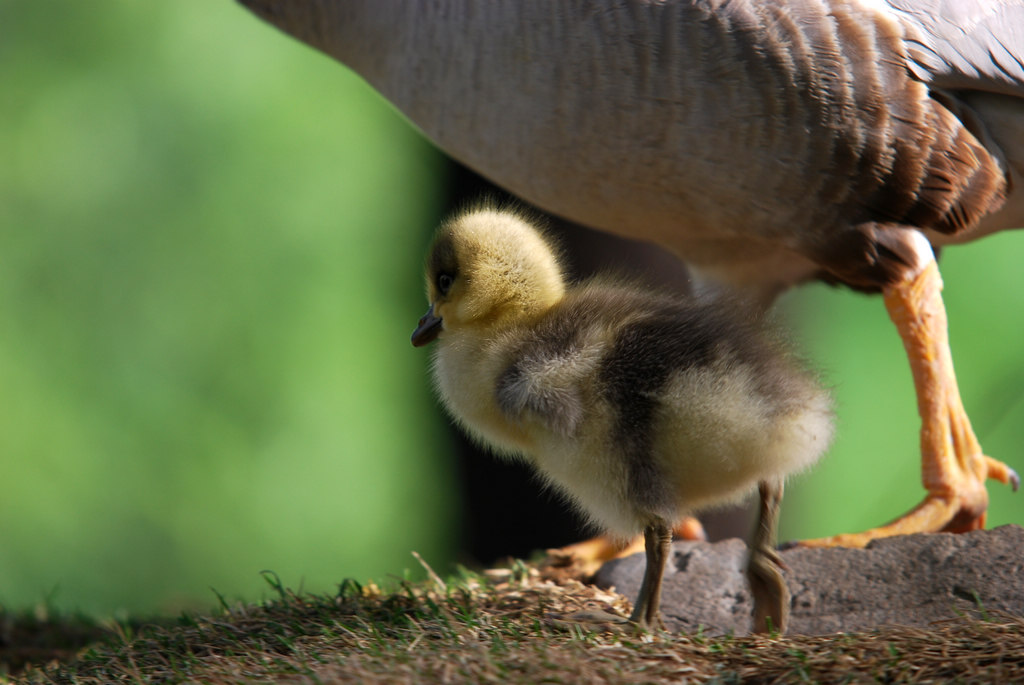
(429,328)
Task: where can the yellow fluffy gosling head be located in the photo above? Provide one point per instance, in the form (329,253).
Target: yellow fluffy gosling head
(484,267)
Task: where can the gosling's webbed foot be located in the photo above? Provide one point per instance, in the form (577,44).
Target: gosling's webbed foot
(767,586)
(769,591)
(647,609)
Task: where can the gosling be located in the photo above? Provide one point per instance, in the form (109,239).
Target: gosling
(640,407)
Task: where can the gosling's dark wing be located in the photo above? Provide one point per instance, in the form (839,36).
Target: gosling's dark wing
(619,344)
(524,389)
(542,378)
(559,358)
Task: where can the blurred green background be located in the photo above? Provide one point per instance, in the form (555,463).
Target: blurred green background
(209,270)
(210,248)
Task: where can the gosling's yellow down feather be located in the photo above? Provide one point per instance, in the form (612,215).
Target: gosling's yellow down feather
(639,406)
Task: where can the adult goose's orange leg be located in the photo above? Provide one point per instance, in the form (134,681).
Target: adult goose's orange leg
(588,556)
(954,469)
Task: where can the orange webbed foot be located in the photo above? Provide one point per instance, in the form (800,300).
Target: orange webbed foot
(588,556)
(954,469)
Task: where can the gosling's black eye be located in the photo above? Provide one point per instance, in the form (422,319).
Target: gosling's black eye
(444,283)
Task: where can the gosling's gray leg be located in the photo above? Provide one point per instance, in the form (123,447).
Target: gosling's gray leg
(768,588)
(658,543)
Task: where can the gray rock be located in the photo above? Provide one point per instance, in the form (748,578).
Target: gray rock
(909,580)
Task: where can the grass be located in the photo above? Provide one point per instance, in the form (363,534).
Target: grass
(500,626)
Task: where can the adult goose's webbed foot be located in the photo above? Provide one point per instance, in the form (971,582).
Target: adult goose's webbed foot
(953,467)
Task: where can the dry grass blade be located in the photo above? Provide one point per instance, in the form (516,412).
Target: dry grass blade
(495,628)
